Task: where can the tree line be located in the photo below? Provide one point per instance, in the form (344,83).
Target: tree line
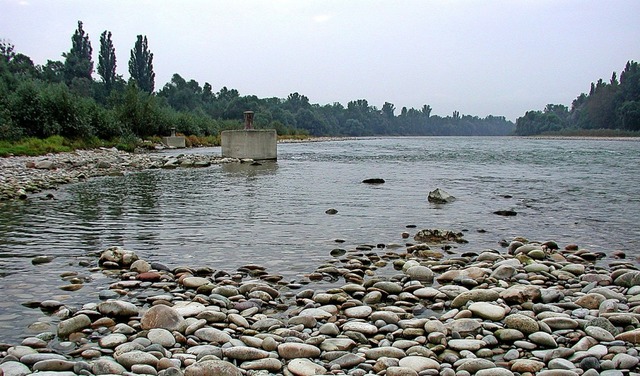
(608,106)
(63,98)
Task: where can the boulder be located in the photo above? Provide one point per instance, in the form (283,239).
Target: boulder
(439,196)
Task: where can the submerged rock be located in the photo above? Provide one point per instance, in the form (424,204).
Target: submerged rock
(439,196)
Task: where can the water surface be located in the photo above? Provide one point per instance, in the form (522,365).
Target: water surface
(571,191)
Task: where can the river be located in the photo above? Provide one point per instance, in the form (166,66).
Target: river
(582,191)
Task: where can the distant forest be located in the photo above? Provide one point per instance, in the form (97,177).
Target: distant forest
(608,106)
(63,98)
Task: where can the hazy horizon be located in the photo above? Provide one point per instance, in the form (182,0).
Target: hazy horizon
(480,58)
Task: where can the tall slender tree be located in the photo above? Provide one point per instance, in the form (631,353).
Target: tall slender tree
(141,65)
(107,60)
(78,63)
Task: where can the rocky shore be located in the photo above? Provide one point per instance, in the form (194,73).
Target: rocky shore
(529,309)
(21,176)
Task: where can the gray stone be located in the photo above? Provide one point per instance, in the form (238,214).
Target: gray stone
(466,344)
(136,357)
(525,324)
(487,311)
(418,363)
(291,350)
(117,308)
(212,335)
(212,368)
(12,368)
(497,371)
(543,339)
(245,353)
(305,367)
(162,337)
(561,363)
(625,361)
(440,196)
(72,325)
(161,316)
(599,333)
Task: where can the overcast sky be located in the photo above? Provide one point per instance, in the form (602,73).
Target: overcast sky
(476,57)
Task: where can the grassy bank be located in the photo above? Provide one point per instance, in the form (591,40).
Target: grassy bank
(59,144)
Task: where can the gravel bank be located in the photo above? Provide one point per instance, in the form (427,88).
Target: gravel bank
(21,176)
(530,309)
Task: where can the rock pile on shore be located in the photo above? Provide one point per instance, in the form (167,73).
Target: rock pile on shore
(20,176)
(532,309)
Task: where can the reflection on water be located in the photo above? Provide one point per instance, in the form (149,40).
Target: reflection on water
(274,213)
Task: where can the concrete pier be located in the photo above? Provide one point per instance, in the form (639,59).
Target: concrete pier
(174,141)
(258,144)
(249,143)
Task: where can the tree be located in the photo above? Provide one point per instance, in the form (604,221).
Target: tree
(6,50)
(52,72)
(141,65)
(107,60)
(78,63)
(388,109)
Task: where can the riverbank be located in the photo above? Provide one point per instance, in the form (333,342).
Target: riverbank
(532,308)
(21,176)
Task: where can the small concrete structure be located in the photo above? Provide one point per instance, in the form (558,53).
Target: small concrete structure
(249,143)
(257,144)
(174,141)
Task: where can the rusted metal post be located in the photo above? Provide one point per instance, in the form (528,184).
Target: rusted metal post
(248,120)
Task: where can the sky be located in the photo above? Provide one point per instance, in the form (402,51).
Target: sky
(489,57)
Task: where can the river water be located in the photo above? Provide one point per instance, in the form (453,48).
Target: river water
(578,191)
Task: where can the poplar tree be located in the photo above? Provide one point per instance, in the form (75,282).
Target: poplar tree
(78,63)
(107,60)
(141,65)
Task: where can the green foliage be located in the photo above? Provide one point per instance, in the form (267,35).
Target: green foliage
(613,105)
(141,65)
(34,146)
(107,61)
(61,99)
(78,63)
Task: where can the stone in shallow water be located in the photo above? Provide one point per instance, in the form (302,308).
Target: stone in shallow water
(117,308)
(72,325)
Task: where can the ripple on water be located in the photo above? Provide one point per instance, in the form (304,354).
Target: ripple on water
(571,191)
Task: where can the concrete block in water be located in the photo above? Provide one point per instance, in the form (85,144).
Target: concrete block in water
(257,144)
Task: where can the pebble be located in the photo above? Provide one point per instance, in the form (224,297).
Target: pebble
(51,170)
(199,321)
